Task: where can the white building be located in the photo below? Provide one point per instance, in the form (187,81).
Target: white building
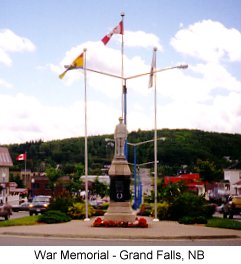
(233,175)
(102,178)
(5,163)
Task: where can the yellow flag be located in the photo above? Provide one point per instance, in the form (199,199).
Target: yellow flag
(153,68)
(77,63)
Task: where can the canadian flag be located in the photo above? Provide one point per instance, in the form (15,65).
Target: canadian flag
(22,156)
(119,29)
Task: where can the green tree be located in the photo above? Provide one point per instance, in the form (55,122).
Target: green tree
(53,174)
(99,188)
(170,191)
(16,179)
(207,170)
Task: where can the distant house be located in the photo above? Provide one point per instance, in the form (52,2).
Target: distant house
(5,163)
(233,175)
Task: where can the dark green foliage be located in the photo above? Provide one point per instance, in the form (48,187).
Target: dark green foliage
(16,179)
(190,220)
(201,151)
(163,211)
(187,220)
(191,205)
(53,217)
(208,210)
(170,191)
(61,202)
(99,188)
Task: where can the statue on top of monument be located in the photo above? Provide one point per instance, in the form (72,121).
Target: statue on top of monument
(120,137)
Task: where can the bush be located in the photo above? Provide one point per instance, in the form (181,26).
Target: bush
(145,210)
(201,220)
(163,211)
(61,203)
(53,217)
(187,220)
(190,220)
(209,210)
(191,205)
(104,206)
(99,212)
(77,211)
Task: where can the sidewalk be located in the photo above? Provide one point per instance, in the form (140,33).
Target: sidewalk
(156,230)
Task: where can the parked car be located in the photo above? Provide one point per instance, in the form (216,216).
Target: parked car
(5,210)
(39,204)
(22,207)
(232,207)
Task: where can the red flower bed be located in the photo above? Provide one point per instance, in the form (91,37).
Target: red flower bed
(139,222)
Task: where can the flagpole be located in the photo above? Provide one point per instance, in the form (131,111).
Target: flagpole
(25,165)
(86,142)
(123,94)
(124,89)
(155,139)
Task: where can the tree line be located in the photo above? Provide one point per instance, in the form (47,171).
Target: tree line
(179,150)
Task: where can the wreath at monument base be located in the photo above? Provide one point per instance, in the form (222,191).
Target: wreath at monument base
(139,222)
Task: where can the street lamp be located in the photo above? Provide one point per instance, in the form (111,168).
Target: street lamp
(4,187)
(135,205)
(33,187)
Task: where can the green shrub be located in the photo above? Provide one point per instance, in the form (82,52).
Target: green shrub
(104,206)
(187,220)
(189,204)
(190,220)
(208,210)
(53,216)
(99,212)
(78,211)
(145,210)
(61,203)
(201,220)
(163,212)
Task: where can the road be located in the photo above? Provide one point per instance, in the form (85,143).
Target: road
(38,241)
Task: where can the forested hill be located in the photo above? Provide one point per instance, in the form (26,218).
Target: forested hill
(176,148)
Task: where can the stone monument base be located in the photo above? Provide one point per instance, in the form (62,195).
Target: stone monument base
(120,211)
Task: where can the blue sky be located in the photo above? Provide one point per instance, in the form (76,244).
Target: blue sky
(37,38)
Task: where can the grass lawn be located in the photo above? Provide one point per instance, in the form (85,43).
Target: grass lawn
(224,223)
(27,220)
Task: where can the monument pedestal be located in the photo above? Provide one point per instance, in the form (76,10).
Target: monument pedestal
(120,211)
(120,207)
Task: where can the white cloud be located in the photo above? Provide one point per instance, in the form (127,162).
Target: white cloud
(5,84)
(223,115)
(142,39)
(206,96)
(28,119)
(209,41)
(108,60)
(11,42)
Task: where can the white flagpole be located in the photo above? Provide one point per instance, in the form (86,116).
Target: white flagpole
(86,142)
(155,138)
(123,99)
(25,163)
